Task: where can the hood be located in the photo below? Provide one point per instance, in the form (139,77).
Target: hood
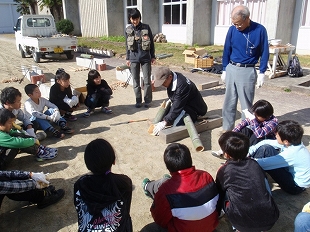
(97,191)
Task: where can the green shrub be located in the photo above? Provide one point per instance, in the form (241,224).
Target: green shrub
(64,26)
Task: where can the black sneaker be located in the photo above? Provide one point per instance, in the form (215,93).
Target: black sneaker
(57,134)
(51,196)
(66,129)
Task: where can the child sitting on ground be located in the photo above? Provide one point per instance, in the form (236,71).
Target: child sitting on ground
(28,186)
(257,126)
(98,94)
(34,108)
(187,200)
(12,142)
(11,100)
(245,194)
(102,199)
(61,95)
(285,159)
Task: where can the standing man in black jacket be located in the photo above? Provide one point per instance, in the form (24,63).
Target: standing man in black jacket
(184,96)
(140,52)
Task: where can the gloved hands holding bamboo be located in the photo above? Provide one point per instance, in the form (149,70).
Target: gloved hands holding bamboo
(158,127)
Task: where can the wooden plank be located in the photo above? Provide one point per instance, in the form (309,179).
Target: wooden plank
(180,132)
(208,85)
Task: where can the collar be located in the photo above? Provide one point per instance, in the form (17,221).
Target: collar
(184,172)
(174,81)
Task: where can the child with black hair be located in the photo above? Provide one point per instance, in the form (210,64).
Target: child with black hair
(186,200)
(13,142)
(102,199)
(61,95)
(11,100)
(260,124)
(244,192)
(34,108)
(285,159)
(98,94)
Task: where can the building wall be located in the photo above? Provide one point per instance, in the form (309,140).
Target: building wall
(8,16)
(114,18)
(150,14)
(71,12)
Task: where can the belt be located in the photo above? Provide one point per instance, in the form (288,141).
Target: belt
(241,65)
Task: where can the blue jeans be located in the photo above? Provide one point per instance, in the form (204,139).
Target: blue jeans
(280,175)
(302,222)
(44,124)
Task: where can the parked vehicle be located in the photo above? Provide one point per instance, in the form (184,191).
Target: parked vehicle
(36,35)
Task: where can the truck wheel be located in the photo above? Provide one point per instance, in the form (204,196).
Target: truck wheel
(36,56)
(69,55)
(22,52)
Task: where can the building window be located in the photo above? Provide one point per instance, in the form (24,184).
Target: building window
(174,11)
(130,5)
(257,10)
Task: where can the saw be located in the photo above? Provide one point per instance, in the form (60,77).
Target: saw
(130,121)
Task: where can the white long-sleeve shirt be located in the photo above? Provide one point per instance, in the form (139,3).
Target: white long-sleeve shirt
(296,158)
(36,110)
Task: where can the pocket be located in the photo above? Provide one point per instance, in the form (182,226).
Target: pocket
(145,39)
(131,43)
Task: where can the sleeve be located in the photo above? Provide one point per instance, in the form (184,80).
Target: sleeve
(9,141)
(57,97)
(220,187)
(241,125)
(30,109)
(22,117)
(90,90)
(179,101)
(263,129)
(106,88)
(227,49)
(270,142)
(15,182)
(48,104)
(264,50)
(127,51)
(160,209)
(152,48)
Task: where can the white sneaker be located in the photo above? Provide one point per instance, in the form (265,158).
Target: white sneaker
(218,154)
(41,135)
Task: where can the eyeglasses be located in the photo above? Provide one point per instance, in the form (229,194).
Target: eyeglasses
(237,25)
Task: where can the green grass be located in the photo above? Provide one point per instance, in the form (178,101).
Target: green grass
(117,44)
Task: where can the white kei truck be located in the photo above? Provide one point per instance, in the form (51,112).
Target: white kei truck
(36,35)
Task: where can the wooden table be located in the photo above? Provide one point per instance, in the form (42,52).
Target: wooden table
(279,67)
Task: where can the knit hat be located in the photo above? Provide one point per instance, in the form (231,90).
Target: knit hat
(161,74)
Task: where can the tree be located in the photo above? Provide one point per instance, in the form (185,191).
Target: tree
(26,6)
(55,6)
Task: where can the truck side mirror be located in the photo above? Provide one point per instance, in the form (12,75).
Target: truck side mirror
(14,28)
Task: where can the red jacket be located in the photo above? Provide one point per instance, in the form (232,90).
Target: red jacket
(187,202)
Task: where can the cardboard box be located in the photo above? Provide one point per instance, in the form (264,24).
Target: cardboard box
(203,62)
(191,53)
(81,92)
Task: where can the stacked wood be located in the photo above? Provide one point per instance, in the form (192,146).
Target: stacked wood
(160,38)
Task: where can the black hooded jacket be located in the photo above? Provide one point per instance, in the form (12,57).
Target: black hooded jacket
(103,202)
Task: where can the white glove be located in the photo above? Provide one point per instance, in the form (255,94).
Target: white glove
(248,115)
(30,132)
(39,177)
(223,76)
(55,116)
(158,127)
(260,80)
(75,100)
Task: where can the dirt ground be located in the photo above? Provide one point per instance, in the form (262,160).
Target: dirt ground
(139,155)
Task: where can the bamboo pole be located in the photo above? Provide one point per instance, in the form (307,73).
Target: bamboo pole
(193,133)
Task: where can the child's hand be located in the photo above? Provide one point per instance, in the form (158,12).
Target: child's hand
(17,127)
(36,141)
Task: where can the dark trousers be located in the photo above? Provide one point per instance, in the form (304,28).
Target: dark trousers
(253,139)
(33,196)
(280,175)
(97,100)
(153,186)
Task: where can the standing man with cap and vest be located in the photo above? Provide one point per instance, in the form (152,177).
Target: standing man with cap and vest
(140,52)
(184,96)
(246,42)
